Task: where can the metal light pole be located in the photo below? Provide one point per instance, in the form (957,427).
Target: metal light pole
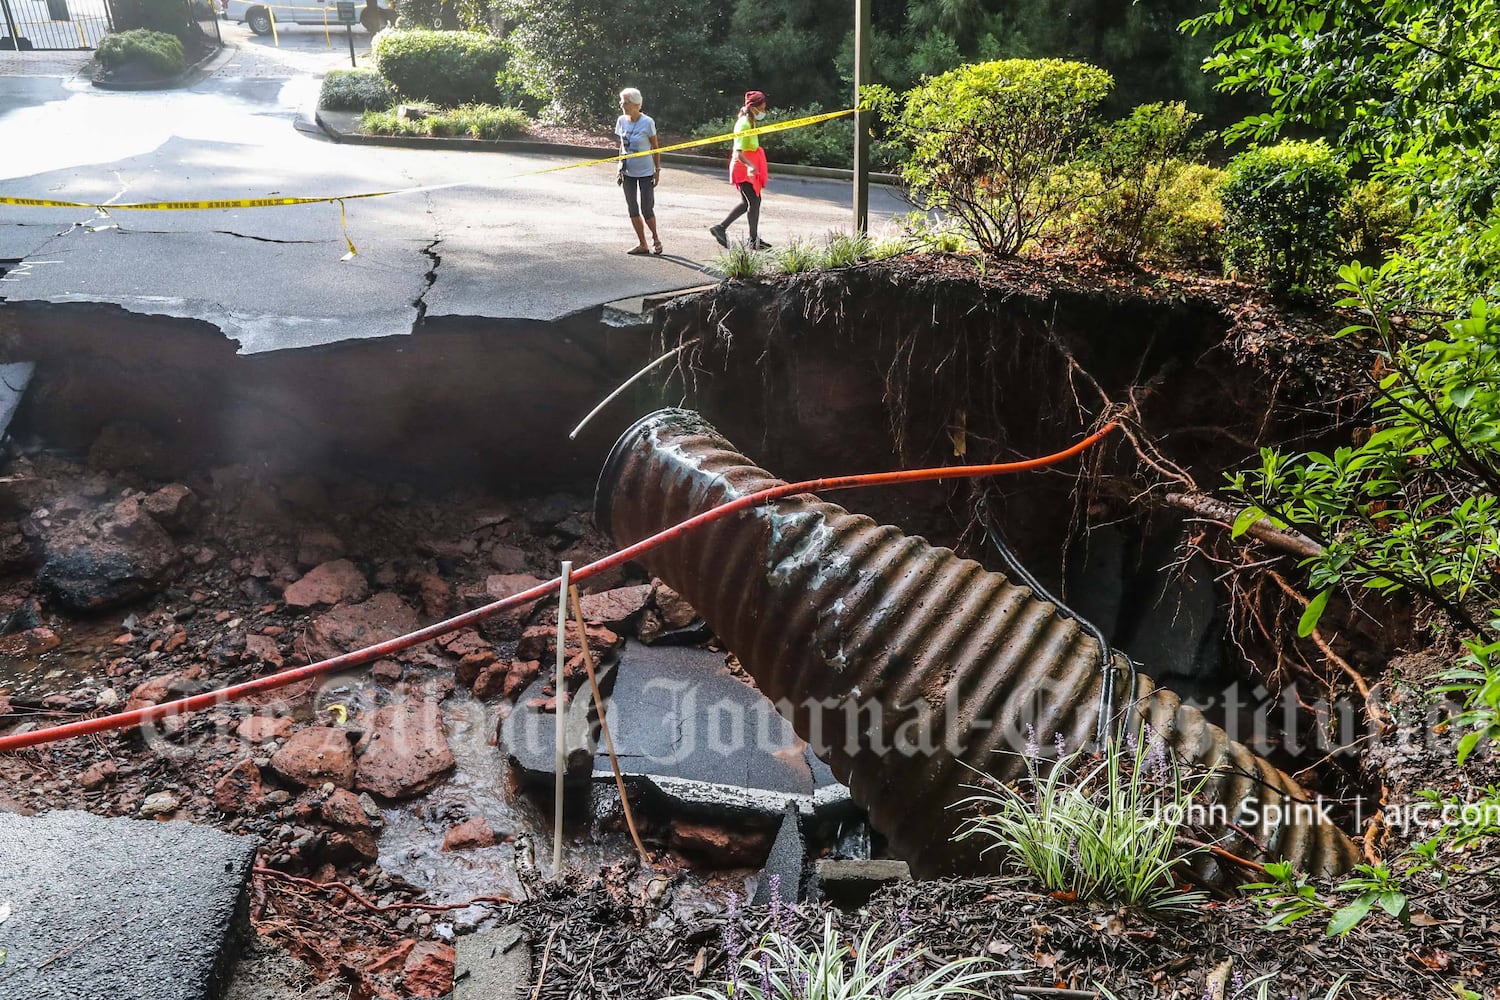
(861,119)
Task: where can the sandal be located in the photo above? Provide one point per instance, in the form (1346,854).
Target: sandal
(638,252)
(656,246)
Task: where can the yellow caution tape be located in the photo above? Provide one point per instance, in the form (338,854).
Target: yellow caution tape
(229,203)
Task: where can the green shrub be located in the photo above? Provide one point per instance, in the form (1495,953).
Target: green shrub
(445,67)
(798,257)
(987,140)
(1281,209)
(470,121)
(1134,158)
(1372,221)
(356,90)
(576,55)
(1186,227)
(155,50)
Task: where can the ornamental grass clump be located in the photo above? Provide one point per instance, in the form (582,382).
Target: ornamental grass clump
(1094,829)
(741,263)
(780,968)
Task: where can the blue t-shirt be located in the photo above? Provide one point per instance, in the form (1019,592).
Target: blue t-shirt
(635,137)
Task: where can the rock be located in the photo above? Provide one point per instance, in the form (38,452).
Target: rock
(463,642)
(675,612)
(492,680)
(718,846)
(787,856)
(103,557)
(98,775)
(350,627)
(433,593)
(263,649)
(316,755)
(336,582)
(159,804)
(472,665)
(508,559)
(469,835)
(153,692)
(343,808)
(520,674)
(174,507)
(240,789)
(615,607)
(405,752)
(386,671)
(429,970)
(32,642)
(260,728)
(539,642)
(502,585)
(315,547)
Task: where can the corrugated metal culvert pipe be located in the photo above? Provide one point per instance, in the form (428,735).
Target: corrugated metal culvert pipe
(900,663)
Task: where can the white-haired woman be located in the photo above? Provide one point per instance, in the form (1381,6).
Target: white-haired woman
(639,174)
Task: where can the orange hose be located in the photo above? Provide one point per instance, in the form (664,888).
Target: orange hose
(209,699)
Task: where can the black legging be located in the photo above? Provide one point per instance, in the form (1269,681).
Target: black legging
(647,196)
(750,202)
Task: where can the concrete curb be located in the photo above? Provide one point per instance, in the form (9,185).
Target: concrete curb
(189,76)
(339,131)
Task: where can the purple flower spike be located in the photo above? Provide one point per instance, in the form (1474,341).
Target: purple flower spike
(1033,748)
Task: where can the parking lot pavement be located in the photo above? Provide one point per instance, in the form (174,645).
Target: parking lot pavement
(304,50)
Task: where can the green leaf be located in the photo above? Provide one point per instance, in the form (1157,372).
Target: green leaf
(1242,523)
(1313,612)
(1462,395)
(1467,744)
(1347,917)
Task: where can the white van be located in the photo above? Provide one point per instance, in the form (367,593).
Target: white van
(373,14)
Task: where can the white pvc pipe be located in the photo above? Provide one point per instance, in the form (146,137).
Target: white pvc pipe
(562,709)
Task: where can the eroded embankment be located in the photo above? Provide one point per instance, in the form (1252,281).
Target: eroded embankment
(350,453)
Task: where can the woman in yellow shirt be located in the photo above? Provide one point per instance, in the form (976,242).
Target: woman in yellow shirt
(747,172)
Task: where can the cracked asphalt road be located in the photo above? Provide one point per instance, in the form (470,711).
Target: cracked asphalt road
(488,242)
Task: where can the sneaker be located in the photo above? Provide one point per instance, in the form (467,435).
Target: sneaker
(720,235)
(760,245)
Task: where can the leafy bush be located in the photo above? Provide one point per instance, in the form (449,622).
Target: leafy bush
(1136,159)
(987,140)
(445,67)
(798,257)
(1372,221)
(356,90)
(1281,206)
(168,16)
(472,121)
(1187,225)
(1102,832)
(154,50)
(575,55)
(1414,507)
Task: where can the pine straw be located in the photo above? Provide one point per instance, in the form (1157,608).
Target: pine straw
(607,947)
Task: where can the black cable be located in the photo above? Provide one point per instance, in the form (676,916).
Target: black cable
(1014,566)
